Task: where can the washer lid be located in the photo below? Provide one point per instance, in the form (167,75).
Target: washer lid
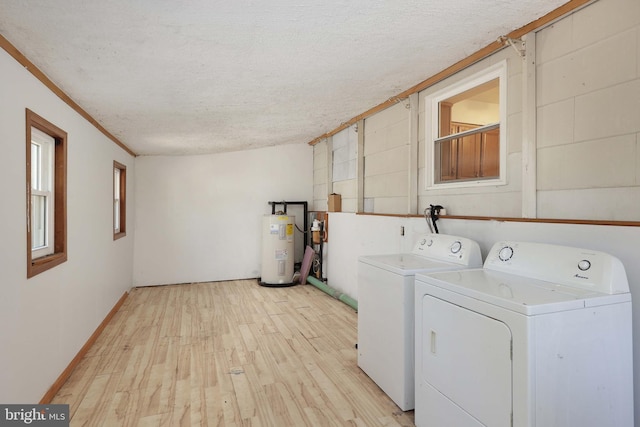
(517,293)
(407,264)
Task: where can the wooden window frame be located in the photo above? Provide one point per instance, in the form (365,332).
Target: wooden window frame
(59,255)
(122,230)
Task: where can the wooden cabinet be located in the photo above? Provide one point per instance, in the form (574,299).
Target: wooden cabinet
(470,157)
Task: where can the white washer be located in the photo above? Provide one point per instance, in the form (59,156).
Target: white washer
(541,336)
(386,307)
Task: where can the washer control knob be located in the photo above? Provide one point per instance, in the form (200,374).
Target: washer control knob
(422,242)
(584,265)
(456,247)
(505,253)
(430,242)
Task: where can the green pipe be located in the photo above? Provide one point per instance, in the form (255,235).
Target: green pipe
(349,301)
(333,292)
(322,286)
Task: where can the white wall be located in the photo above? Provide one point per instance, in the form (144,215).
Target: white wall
(386,160)
(589,114)
(199,218)
(320,177)
(352,236)
(343,158)
(45,320)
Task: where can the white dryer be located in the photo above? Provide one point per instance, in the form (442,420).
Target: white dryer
(541,336)
(386,308)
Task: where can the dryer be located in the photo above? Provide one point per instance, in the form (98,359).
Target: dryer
(386,308)
(540,336)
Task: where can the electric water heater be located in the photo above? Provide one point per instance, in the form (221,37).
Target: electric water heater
(277,250)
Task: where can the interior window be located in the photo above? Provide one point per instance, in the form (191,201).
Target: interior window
(467,140)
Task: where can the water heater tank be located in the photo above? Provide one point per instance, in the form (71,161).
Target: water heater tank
(277,250)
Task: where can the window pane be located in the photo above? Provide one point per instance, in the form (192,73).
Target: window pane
(36,166)
(490,163)
(470,157)
(42,218)
(116,215)
(119,200)
(467,147)
(475,107)
(38,221)
(116,183)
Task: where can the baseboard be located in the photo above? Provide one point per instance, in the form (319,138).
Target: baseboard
(57,385)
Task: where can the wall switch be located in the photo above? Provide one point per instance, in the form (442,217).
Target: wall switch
(402,230)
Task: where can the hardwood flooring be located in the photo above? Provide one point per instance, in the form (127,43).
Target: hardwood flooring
(227,354)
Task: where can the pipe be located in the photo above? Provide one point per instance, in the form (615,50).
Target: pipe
(333,292)
(349,301)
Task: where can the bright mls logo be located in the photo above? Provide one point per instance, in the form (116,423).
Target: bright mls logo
(34,415)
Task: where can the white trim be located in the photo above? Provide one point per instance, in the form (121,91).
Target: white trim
(360,165)
(414,132)
(529,129)
(498,70)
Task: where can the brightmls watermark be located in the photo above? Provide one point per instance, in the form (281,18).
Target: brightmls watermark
(34,415)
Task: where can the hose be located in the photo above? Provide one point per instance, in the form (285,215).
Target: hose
(432,217)
(427,217)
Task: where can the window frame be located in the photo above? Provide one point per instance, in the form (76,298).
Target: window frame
(38,264)
(432,122)
(119,200)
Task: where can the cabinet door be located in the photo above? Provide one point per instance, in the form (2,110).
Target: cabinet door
(465,152)
(466,359)
(448,160)
(469,157)
(490,157)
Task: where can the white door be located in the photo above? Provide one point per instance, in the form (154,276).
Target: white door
(466,361)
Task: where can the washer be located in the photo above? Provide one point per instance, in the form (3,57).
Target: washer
(541,336)
(386,308)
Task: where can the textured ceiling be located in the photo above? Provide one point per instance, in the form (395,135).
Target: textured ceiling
(205,76)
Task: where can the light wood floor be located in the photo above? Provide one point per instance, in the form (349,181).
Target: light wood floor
(229,354)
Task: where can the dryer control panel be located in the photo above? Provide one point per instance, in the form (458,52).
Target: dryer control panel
(581,268)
